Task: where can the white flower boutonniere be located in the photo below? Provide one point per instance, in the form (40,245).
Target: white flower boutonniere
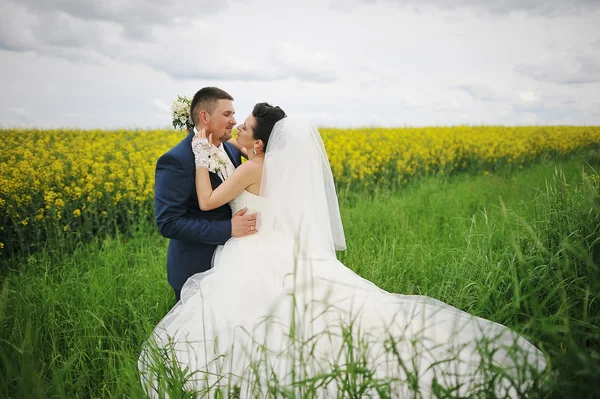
(215,164)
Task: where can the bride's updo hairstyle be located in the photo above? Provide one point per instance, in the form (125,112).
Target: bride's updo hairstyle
(266,117)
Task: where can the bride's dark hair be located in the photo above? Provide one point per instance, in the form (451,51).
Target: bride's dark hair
(266,117)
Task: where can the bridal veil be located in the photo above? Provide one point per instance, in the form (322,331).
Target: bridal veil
(299,190)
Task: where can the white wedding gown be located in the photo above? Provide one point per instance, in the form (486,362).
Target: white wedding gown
(277,307)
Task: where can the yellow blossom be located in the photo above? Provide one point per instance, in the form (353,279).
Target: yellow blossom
(111,174)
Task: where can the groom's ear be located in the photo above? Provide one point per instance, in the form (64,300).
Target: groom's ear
(203,117)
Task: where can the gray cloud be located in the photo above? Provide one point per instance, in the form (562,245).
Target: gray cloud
(377,64)
(54,33)
(161,106)
(16,27)
(19,115)
(571,67)
(137,17)
(141,32)
(480,91)
(62,30)
(20,112)
(33,25)
(551,107)
(215,70)
(275,61)
(552,8)
(78,115)
(304,64)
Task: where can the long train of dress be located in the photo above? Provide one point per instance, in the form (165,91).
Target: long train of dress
(269,311)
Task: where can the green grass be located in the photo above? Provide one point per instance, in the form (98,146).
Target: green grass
(519,247)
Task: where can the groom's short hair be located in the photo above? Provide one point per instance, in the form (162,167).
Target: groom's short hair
(206,99)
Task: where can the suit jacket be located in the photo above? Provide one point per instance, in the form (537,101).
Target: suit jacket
(193,233)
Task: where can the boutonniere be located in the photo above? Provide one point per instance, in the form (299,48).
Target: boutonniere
(206,156)
(215,164)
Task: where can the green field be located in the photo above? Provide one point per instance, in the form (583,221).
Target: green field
(520,247)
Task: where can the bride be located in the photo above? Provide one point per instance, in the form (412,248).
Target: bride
(279,315)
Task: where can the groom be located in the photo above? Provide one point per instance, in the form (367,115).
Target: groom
(194,234)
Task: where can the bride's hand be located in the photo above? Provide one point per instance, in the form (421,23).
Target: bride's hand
(202,135)
(201,147)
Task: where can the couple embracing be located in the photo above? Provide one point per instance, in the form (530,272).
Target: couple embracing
(263,300)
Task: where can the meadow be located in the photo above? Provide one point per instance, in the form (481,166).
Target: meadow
(501,230)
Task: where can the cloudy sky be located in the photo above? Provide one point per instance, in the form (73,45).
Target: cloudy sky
(121,63)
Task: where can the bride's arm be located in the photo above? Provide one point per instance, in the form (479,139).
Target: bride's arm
(209,199)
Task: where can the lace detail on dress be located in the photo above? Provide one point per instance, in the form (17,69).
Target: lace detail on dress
(246,200)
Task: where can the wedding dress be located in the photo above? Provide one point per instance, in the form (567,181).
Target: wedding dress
(279,308)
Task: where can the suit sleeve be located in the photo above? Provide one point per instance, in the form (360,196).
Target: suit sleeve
(171,193)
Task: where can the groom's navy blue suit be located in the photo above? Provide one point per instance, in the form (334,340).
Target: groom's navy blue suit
(194,234)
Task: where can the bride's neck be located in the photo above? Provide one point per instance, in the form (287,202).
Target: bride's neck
(258,157)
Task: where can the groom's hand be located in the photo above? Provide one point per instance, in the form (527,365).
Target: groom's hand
(242,224)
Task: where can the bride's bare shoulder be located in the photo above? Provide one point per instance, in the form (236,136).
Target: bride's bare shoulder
(251,166)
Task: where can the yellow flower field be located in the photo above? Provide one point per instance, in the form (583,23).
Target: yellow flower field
(369,157)
(69,183)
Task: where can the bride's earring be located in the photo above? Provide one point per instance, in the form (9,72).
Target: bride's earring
(254,151)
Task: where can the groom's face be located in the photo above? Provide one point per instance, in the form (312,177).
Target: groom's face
(221,121)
